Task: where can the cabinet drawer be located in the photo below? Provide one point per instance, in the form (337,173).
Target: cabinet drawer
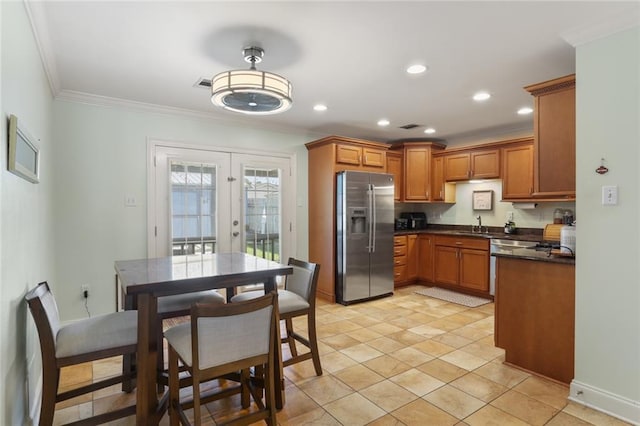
(400,240)
(400,273)
(399,251)
(471,243)
(399,260)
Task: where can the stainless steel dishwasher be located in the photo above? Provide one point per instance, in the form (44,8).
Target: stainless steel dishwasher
(506,247)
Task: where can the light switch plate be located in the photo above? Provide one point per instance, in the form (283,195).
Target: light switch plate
(609,195)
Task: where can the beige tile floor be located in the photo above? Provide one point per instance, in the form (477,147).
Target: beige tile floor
(402,360)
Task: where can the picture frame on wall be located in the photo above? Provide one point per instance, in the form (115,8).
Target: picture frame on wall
(24,154)
(482,200)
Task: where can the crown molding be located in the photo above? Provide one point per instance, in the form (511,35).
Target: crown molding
(611,25)
(36,15)
(106,101)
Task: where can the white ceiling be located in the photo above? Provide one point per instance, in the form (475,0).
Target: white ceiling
(350,56)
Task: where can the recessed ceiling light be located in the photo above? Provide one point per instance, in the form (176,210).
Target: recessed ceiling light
(319,107)
(416,69)
(383,122)
(429,130)
(525,111)
(481,96)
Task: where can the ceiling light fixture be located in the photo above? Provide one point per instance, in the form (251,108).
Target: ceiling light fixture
(481,96)
(251,91)
(429,130)
(416,69)
(320,107)
(383,122)
(525,111)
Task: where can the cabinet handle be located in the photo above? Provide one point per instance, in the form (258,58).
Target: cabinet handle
(441,196)
(427,194)
(458,243)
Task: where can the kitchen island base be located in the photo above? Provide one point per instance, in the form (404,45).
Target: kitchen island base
(535,316)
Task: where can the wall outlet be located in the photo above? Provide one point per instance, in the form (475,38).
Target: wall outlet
(509,216)
(85,291)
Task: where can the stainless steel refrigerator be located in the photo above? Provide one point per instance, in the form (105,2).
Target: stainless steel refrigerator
(364,264)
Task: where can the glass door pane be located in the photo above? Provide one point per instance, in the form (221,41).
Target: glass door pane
(193,208)
(262,218)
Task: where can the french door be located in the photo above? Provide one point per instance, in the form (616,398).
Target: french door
(213,201)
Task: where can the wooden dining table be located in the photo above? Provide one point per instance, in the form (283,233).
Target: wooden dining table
(147,279)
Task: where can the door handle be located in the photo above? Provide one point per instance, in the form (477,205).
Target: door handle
(235,234)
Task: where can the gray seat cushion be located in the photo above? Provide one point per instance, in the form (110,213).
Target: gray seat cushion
(181,302)
(288,301)
(98,333)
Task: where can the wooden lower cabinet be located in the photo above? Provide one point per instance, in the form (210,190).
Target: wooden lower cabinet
(405,259)
(462,264)
(412,257)
(535,316)
(425,257)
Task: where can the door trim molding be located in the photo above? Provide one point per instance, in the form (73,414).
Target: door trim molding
(290,204)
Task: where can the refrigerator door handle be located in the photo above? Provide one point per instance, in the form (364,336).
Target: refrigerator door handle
(372,231)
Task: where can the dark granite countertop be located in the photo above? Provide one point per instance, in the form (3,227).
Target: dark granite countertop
(536,255)
(523,234)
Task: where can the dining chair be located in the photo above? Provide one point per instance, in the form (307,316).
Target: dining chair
(297,299)
(86,340)
(221,340)
(174,306)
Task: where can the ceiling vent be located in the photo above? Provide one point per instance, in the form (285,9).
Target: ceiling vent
(409,126)
(205,83)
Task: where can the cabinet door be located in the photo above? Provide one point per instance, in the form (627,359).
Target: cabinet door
(348,154)
(412,257)
(446,265)
(425,258)
(517,172)
(485,164)
(554,130)
(457,167)
(437,179)
(417,182)
(394,166)
(373,158)
(474,269)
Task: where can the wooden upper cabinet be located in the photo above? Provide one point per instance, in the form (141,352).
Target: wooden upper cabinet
(394,166)
(472,164)
(440,189)
(457,167)
(417,169)
(360,156)
(554,131)
(485,164)
(517,171)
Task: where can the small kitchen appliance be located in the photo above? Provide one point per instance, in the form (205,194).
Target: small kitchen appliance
(415,220)
(401,224)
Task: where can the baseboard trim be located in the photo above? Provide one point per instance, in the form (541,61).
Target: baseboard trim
(34,409)
(609,403)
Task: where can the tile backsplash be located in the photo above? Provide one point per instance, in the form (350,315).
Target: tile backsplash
(462,213)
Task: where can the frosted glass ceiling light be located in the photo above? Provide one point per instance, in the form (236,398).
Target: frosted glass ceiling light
(251,91)
(481,96)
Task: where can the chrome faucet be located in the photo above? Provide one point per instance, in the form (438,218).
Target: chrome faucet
(473,227)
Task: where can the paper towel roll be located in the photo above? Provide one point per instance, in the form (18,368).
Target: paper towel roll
(524,206)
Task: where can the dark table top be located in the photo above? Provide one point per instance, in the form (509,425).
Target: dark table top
(170,275)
